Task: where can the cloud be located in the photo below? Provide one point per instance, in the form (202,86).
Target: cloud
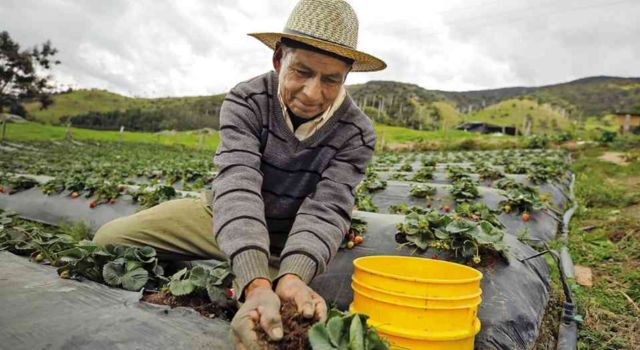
(171,48)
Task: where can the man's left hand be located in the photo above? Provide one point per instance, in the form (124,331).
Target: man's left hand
(310,304)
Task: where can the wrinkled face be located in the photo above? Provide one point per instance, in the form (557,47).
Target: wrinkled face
(309,81)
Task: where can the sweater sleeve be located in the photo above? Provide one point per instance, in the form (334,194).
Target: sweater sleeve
(324,217)
(238,209)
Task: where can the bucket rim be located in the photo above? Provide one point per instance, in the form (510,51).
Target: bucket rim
(412,296)
(474,305)
(357,263)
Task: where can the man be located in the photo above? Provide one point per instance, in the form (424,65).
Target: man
(293,147)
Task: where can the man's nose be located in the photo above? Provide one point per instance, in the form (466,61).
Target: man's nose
(313,90)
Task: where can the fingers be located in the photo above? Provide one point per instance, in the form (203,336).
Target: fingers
(237,345)
(304,301)
(321,307)
(243,334)
(270,319)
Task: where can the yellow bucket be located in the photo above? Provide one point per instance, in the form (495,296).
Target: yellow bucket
(415,301)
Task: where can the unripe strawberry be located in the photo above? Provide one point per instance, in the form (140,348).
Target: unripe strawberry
(358,240)
(74,195)
(350,244)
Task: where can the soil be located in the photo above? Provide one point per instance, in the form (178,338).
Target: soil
(614,157)
(295,331)
(199,303)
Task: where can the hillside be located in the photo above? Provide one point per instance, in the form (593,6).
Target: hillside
(84,107)
(514,112)
(392,103)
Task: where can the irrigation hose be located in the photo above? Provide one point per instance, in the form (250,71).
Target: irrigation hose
(568,330)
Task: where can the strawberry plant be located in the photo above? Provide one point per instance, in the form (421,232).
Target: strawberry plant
(131,266)
(372,181)
(345,331)
(422,190)
(150,197)
(55,185)
(524,202)
(404,209)
(423,175)
(406,167)
(21,183)
(478,212)
(363,199)
(398,176)
(214,281)
(467,241)
(355,235)
(487,172)
(464,190)
(455,173)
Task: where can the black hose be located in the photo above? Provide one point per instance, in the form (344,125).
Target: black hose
(568,330)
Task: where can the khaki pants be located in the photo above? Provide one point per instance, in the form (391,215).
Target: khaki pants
(179,230)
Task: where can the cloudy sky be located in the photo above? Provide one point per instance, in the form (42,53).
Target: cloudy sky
(155,48)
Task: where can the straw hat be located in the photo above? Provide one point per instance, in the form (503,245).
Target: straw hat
(329,25)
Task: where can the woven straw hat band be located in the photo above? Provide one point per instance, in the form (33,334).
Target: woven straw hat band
(330,20)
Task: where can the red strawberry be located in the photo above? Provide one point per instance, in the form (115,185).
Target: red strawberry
(229,292)
(446,208)
(1,189)
(92,204)
(525,217)
(358,240)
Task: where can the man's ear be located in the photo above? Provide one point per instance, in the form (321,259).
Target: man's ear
(277,57)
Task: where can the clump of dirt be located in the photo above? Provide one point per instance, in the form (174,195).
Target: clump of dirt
(295,330)
(200,303)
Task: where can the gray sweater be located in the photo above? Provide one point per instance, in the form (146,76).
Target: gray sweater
(276,194)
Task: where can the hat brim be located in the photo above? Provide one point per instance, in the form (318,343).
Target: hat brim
(362,62)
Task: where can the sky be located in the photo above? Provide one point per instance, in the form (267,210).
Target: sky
(157,48)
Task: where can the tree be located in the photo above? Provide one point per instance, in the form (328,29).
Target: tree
(20,78)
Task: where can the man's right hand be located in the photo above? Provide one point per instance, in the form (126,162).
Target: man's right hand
(262,307)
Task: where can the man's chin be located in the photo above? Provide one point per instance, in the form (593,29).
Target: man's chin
(305,114)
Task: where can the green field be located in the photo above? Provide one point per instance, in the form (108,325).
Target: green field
(40,132)
(391,135)
(514,111)
(83,101)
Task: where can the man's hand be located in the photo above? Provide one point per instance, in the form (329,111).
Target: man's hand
(310,303)
(261,306)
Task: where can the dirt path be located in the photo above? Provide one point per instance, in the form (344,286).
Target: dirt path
(613,157)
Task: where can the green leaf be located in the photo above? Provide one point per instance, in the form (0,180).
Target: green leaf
(132,265)
(135,279)
(113,271)
(180,274)
(421,241)
(198,276)
(373,341)
(356,334)
(216,294)
(181,287)
(319,338)
(335,327)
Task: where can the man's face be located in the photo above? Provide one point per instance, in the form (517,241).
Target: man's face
(309,81)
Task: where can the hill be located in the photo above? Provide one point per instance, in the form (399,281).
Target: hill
(100,109)
(392,103)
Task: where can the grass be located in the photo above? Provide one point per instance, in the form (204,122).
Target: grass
(41,132)
(605,236)
(94,100)
(391,134)
(512,112)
